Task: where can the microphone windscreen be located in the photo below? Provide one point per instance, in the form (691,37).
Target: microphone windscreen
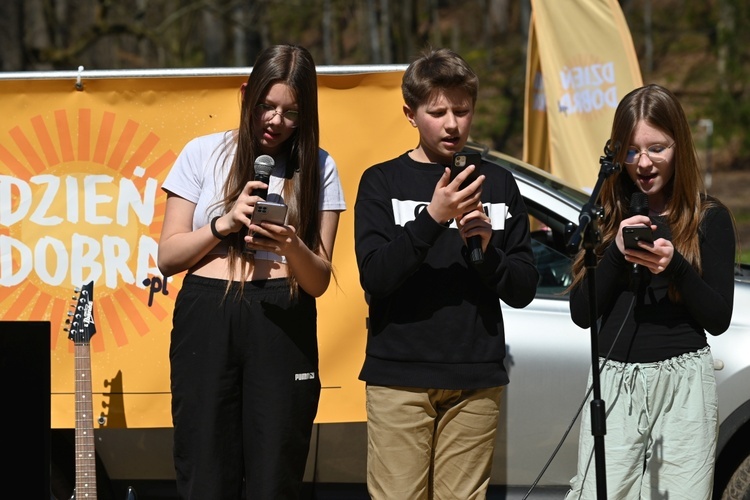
(639,203)
(263,166)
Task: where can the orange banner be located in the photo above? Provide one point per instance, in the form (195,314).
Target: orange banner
(581,62)
(81,200)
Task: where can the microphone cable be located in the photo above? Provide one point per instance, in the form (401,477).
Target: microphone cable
(580,408)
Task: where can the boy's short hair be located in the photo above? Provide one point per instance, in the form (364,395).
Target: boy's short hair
(437,69)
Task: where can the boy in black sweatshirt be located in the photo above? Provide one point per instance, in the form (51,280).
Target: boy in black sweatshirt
(436,346)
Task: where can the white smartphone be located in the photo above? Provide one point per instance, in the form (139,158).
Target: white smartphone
(268,211)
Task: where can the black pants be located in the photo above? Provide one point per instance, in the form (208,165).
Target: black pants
(245,389)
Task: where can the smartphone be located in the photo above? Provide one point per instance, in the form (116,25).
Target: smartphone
(463,159)
(268,211)
(631,235)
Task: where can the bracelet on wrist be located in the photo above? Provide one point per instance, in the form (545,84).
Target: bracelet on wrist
(216,233)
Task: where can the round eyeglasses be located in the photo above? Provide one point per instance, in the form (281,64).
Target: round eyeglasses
(266,112)
(657,153)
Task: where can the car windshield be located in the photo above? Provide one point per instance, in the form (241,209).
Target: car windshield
(538,175)
(551,227)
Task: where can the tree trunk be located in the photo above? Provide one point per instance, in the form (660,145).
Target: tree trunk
(406,31)
(372,30)
(36,38)
(213,36)
(327,35)
(434,15)
(385,32)
(11,43)
(726,35)
(648,38)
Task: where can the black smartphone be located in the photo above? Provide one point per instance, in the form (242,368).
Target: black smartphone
(463,159)
(631,235)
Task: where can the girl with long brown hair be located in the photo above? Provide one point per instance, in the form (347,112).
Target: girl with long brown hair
(243,354)
(657,373)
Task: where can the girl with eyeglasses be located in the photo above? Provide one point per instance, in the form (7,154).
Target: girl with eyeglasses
(656,369)
(244,356)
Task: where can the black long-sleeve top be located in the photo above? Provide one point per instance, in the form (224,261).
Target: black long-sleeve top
(656,328)
(435,318)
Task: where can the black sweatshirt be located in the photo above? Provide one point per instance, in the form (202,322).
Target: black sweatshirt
(435,318)
(655,328)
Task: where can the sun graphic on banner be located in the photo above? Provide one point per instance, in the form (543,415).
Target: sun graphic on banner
(79,202)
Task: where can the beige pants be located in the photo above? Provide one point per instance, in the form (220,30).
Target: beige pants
(430,444)
(662,423)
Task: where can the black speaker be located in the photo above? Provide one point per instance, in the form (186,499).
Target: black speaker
(25,393)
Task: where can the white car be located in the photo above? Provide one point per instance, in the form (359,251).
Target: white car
(548,362)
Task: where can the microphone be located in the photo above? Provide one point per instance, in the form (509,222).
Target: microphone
(638,206)
(263,167)
(476,255)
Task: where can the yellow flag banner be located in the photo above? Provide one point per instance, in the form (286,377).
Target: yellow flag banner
(581,62)
(535,144)
(80,200)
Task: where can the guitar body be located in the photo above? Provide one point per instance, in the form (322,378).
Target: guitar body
(81,330)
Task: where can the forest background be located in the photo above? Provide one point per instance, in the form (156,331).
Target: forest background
(700,49)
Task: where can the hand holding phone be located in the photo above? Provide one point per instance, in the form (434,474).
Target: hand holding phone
(268,211)
(631,235)
(461,160)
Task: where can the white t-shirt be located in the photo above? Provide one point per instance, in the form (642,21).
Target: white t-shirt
(199,173)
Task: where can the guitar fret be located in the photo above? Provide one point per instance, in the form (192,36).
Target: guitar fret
(85,449)
(85,443)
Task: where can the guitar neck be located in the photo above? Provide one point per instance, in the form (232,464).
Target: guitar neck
(85,444)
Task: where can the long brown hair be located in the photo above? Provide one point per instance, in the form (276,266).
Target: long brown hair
(686,198)
(293,66)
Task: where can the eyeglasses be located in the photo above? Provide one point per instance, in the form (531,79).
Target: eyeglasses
(267,112)
(657,153)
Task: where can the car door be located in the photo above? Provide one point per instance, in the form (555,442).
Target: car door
(548,355)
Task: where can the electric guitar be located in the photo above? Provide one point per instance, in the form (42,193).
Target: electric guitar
(82,328)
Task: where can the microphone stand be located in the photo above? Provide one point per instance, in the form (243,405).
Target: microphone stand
(588,236)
